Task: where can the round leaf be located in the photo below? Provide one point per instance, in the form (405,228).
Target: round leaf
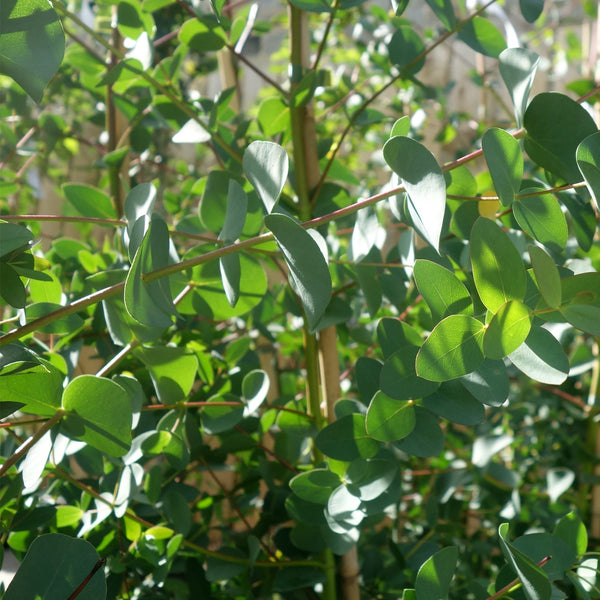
(507,330)
(388,419)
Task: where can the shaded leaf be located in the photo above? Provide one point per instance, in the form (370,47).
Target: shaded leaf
(536,584)
(531,9)
(149,302)
(489,383)
(453,402)
(398,378)
(444,11)
(32,44)
(427,437)
(13,237)
(588,161)
(54,567)
(404,47)
(308,269)
(556,125)
(315,485)
(541,357)
(346,439)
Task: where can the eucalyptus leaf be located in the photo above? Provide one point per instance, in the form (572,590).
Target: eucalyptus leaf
(424,184)
(32,44)
(389,419)
(498,270)
(266,166)
(505,161)
(308,268)
(517,67)
(434,576)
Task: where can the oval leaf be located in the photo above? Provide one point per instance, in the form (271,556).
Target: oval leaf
(541,357)
(517,67)
(308,269)
(434,576)
(399,380)
(546,275)
(424,183)
(266,166)
(588,161)
(507,330)
(99,414)
(498,270)
(453,349)
(504,159)
(388,419)
(32,44)
(346,439)
(444,293)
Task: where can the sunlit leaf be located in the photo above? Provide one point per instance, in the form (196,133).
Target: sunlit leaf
(389,419)
(507,329)
(517,67)
(266,166)
(453,349)
(498,270)
(424,183)
(434,576)
(505,161)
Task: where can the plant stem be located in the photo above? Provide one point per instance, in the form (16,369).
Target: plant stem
(24,449)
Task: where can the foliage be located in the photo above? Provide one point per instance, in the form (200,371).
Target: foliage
(309,359)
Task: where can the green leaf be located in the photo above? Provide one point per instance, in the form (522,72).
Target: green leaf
(89,201)
(546,275)
(318,6)
(213,205)
(309,272)
(393,335)
(444,293)
(404,47)
(541,216)
(388,419)
(572,532)
(38,387)
(54,567)
(273,116)
(531,9)
(231,275)
(173,371)
(434,576)
(67,324)
(222,414)
(32,44)
(489,383)
(132,21)
(202,34)
(150,303)
(139,202)
(427,437)
(444,11)
(583,316)
(99,414)
(507,330)
(266,166)
(536,585)
(504,159)
(453,402)
(235,214)
(221,569)
(583,218)
(517,67)
(541,357)
(368,478)
(401,126)
(556,125)
(346,439)
(315,485)
(588,161)
(288,579)
(498,270)
(12,290)
(13,237)
(453,349)
(399,380)
(424,184)
(255,387)
(483,37)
